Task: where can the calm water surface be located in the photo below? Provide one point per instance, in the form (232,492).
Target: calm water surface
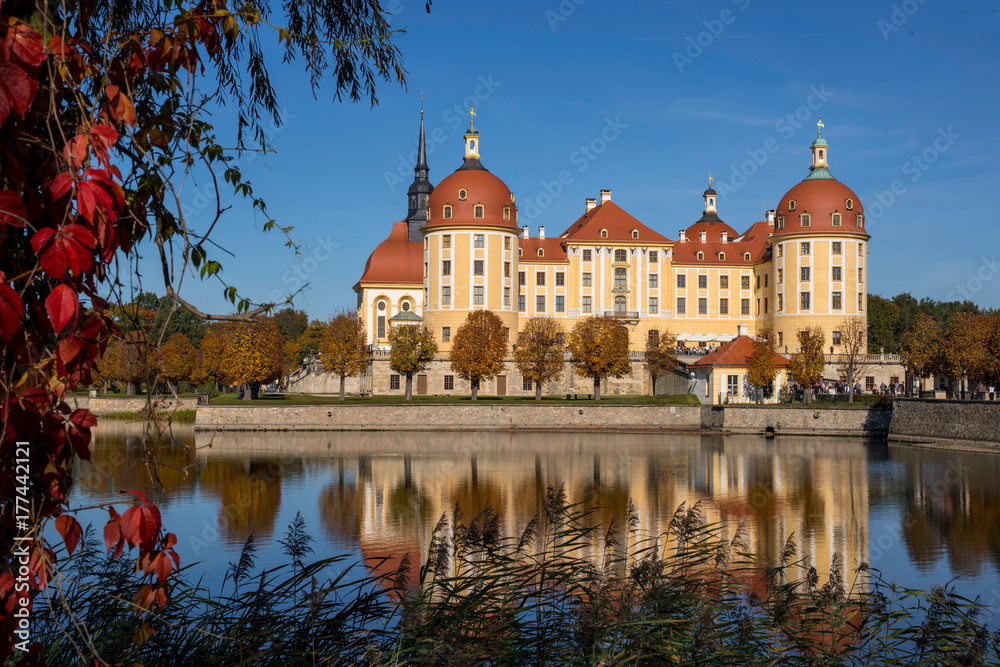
(922,517)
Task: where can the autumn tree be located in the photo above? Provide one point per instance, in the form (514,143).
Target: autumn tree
(478,348)
(135,361)
(106,368)
(599,346)
(254,355)
(213,356)
(991,355)
(198,375)
(178,357)
(809,361)
(761,366)
(661,354)
(964,347)
(539,352)
(853,364)
(412,348)
(922,347)
(343,348)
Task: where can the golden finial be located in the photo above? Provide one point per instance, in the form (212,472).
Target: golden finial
(710,179)
(472,115)
(819,126)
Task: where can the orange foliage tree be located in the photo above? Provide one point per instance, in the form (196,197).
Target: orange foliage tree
(135,361)
(213,356)
(254,355)
(343,349)
(808,363)
(761,369)
(539,352)
(922,347)
(411,349)
(178,358)
(661,354)
(479,348)
(599,346)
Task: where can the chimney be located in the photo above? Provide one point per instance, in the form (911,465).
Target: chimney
(591,203)
(769,217)
(701,235)
(682,237)
(605,195)
(725,237)
(524,235)
(541,232)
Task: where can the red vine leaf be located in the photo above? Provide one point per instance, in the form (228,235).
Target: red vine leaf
(113,533)
(61,305)
(26,45)
(17,90)
(70,530)
(11,310)
(12,211)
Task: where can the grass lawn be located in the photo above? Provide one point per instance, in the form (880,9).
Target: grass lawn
(178,417)
(309,399)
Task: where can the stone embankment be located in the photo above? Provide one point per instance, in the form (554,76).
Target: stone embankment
(954,424)
(104,406)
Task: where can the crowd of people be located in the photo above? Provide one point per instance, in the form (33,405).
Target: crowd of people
(839,388)
(682,351)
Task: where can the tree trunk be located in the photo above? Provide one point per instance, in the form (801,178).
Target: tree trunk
(538,391)
(654,383)
(131,388)
(475,389)
(343,381)
(597,388)
(850,394)
(409,386)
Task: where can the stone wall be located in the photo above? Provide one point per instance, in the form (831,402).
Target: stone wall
(943,422)
(106,405)
(805,421)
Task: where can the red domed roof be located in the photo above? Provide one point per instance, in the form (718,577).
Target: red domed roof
(481,188)
(820,198)
(396,260)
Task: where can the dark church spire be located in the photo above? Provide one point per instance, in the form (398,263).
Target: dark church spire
(421,188)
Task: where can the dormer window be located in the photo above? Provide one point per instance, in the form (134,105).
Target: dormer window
(746,257)
(463,194)
(446,212)
(701,255)
(861,221)
(722,256)
(520,251)
(506,212)
(791,204)
(541,252)
(805,220)
(836,220)
(635,233)
(604,233)
(850,204)
(480,211)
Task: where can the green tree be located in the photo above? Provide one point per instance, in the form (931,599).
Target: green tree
(343,349)
(412,348)
(599,346)
(661,354)
(479,348)
(539,352)
(883,316)
(291,323)
(808,362)
(761,364)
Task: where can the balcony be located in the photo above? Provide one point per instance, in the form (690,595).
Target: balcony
(623,314)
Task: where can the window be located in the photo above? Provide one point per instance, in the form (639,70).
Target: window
(781,250)
(586,304)
(804,248)
(654,256)
(604,233)
(861,301)
(850,204)
(681,281)
(446,295)
(560,279)
(681,306)
(805,220)
(586,279)
(781,338)
(723,282)
(836,273)
(732,385)
(804,300)
(722,256)
(620,305)
(861,275)
(477,241)
(477,267)
(394,381)
(765,305)
(560,303)
(520,277)
(703,306)
(869,383)
(506,296)
(540,278)
(506,214)
(541,252)
(526,384)
(506,269)
(701,255)
(446,241)
(621,280)
(520,303)
(791,204)
(540,303)
(654,280)
(836,247)
(781,222)
(758,306)
(449,382)
(745,282)
(836,338)
(621,256)
(477,295)
(804,274)
(702,282)
(446,214)
(860,219)
(757,282)
(781,273)
(652,337)
(765,280)
(586,255)
(381,326)
(463,194)
(446,267)
(861,250)
(893,379)
(654,305)
(506,334)
(781,302)
(744,306)
(445,334)
(480,211)
(836,220)
(506,242)
(723,306)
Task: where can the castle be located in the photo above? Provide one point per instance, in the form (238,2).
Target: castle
(460,248)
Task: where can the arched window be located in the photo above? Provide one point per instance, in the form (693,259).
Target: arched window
(541,252)
(480,210)
(463,194)
(446,212)
(746,257)
(722,256)
(472,145)
(604,233)
(701,255)
(821,155)
(620,305)
(635,234)
(621,256)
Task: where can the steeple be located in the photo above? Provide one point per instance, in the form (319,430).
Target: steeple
(710,213)
(471,160)
(421,188)
(819,169)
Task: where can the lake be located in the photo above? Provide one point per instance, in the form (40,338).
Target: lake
(921,516)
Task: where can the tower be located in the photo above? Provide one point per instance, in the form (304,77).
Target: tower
(420,190)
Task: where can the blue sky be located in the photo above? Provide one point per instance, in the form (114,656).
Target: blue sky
(645,98)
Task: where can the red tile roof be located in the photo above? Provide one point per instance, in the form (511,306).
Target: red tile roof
(754,241)
(554,249)
(735,354)
(395,260)
(612,217)
(820,198)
